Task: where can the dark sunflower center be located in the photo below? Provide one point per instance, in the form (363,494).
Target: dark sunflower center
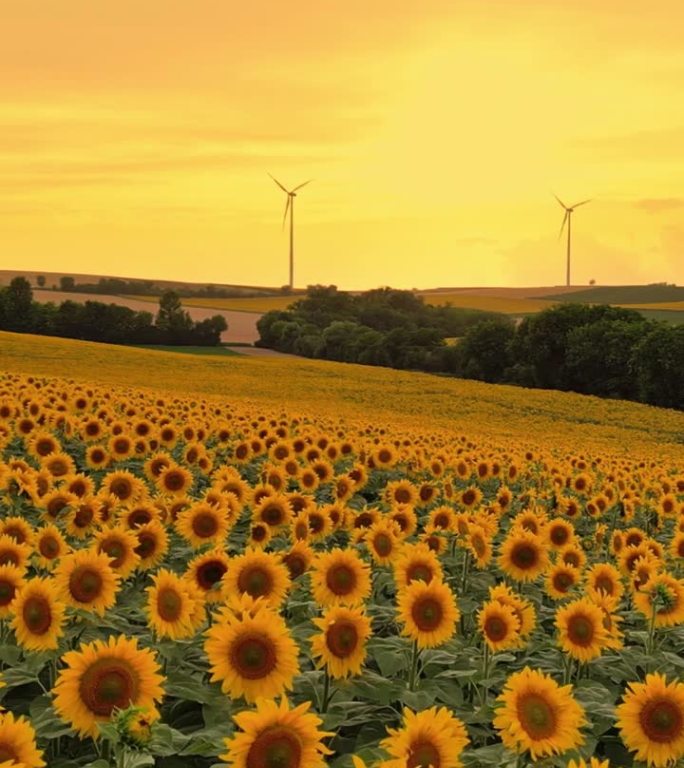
(423,754)
(661,720)
(253,656)
(84,516)
(48,547)
(255,581)
(441,521)
(427,614)
(606,584)
(259,533)
(115,551)
(37,615)
(402,496)
(173,481)
(296,565)
(316,523)
(16,533)
(122,489)
(559,535)
(7,592)
(276,747)
(210,573)
(139,517)
(571,558)
(9,557)
(383,544)
(419,572)
(495,628)
(581,630)
(342,639)
(7,754)
(468,498)
(273,514)
(537,716)
(525,556)
(108,684)
(563,581)
(169,604)
(340,579)
(147,545)
(85,584)
(205,525)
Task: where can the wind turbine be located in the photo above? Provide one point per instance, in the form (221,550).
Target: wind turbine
(291,194)
(568,218)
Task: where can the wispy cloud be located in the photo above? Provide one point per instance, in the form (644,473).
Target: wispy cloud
(660,204)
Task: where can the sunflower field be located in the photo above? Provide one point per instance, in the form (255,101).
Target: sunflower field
(190,581)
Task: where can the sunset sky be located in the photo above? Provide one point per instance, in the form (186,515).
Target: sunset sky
(136,137)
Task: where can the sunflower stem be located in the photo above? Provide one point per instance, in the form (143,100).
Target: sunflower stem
(464,574)
(567,669)
(414,667)
(485,674)
(651,631)
(326,692)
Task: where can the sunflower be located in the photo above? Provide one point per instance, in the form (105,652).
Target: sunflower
(560,581)
(202,523)
(594,762)
(153,543)
(605,578)
(259,536)
(206,573)
(433,738)
(96,457)
(442,518)
(523,556)
(479,545)
(340,577)
(38,615)
(341,645)
(82,518)
(119,545)
(275,511)
(573,555)
(416,562)
(253,655)
(401,493)
(11,581)
(259,574)
(275,736)
(124,485)
(559,533)
(523,608)
(174,480)
(434,539)
(499,626)
(382,541)
(18,529)
(13,553)
(406,519)
(428,612)
(661,600)
(18,743)
(104,676)
(298,559)
(170,606)
(86,580)
(58,464)
(538,715)
(581,629)
(319,523)
(651,720)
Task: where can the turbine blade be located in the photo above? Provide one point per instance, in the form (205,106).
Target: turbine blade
(565,218)
(302,185)
(560,202)
(584,202)
(287,207)
(277,182)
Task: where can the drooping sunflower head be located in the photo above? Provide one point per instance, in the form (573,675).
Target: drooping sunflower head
(428,613)
(340,577)
(538,715)
(275,736)
(661,599)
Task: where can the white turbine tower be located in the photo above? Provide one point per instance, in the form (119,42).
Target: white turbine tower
(291,194)
(568,219)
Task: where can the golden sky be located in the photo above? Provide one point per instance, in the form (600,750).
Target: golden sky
(136,137)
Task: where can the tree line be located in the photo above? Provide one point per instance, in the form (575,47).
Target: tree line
(590,349)
(109,323)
